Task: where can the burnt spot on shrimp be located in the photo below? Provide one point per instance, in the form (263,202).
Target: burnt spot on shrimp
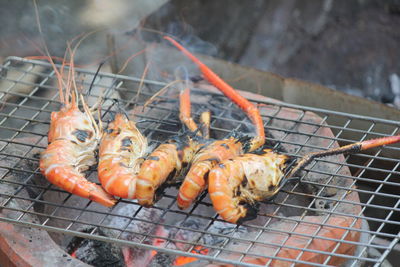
(155,158)
(246,181)
(185,139)
(252,212)
(126,142)
(82,135)
(108,131)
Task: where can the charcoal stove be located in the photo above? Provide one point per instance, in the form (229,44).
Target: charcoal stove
(320,221)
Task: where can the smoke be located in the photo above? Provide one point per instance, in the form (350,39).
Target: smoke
(395,86)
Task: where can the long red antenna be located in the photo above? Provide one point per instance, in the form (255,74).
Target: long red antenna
(250,109)
(349,149)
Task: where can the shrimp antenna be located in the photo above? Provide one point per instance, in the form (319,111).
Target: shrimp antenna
(347,149)
(109,107)
(58,74)
(72,51)
(249,108)
(105,94)
(120,108)
(94,77)
(184,101)
(155,120)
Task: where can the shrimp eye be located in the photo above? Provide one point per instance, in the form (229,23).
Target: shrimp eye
(224,146)
(126,142)
(153,158)
(108,131)
(81,135)
(245,181)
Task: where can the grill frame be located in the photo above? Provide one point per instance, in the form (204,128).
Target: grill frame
(50,104)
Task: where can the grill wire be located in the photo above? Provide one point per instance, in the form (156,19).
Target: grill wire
(25,117)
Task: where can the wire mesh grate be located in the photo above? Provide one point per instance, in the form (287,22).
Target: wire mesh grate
(325,208)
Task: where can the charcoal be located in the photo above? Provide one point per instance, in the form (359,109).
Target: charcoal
(95,252)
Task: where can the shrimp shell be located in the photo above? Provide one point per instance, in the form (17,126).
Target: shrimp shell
(248,178)
(121,149)
(195,181)
(165,162)
(73,138)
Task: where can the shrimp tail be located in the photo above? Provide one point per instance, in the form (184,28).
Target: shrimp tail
(54,167)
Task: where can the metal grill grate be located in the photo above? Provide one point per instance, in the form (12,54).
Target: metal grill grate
(24,120)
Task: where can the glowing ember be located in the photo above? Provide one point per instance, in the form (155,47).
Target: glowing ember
(182,260)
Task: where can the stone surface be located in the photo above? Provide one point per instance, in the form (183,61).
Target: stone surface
(351,46)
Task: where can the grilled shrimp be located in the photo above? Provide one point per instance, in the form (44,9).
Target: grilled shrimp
(168,160)
(195,181)
(121,149)
(236,186)
(73,138)
(248,178)
(206,158)
(164,163)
